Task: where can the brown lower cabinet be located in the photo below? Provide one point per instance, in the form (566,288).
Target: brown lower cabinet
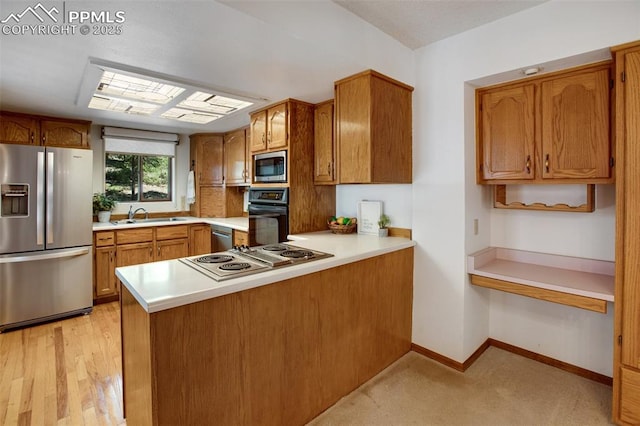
(142,245)
(279,354)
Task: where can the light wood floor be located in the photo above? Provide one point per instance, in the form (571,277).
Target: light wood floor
(63,373)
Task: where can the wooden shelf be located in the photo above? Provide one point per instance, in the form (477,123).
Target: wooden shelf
(500,202)
(581,283)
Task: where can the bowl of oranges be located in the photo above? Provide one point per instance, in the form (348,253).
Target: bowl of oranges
(342,225)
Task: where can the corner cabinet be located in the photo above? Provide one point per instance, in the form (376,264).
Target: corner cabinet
(626,372)
(324,152)
(534,131)
(46,131)
(124,247)
(373,129)
(236,163)
(207,158)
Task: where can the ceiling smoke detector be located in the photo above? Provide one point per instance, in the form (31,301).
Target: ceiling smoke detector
(531,71)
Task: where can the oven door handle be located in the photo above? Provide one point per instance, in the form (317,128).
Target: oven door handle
(267,210)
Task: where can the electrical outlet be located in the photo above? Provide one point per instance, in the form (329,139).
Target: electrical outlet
(475,226)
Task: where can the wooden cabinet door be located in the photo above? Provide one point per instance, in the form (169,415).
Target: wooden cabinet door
(19,129)
(575,126)
(235,162)
(134,254)
(172,249)
(631,219)
(248,156)
(105,280)
(258,130)
(508,133)
(209,159)
(324,145)
(64,134)
(199,239)
(277,127)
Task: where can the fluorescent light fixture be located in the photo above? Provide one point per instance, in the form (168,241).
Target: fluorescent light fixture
(213,103)
(109,103)
(190,116)
(135,88)
(117,88)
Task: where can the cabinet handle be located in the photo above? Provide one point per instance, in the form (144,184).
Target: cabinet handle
(32,137)
(158,251)
(528,165)
(269,136)
(546,163)
(329,168)
(150,251)
(264,137)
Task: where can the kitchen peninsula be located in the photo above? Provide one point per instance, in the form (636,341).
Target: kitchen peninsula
(198,351)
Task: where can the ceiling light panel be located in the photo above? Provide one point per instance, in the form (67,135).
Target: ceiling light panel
(190,116)
(109,103)
(213,103)
(135,88)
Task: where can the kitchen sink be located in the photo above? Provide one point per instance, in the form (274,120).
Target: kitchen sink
(157,219)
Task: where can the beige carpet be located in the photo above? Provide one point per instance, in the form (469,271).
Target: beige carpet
(500,388)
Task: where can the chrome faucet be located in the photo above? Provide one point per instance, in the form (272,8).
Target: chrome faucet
(132,212)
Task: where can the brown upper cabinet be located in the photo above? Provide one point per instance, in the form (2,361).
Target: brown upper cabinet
(550,129)
(236,162)
(35,130)
(269,128)
(324,145)
(373,129)
(207,158)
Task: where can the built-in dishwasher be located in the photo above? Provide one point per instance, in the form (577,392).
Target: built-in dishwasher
(221,238)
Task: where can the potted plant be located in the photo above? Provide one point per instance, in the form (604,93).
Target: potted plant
(383,223)
(102,206)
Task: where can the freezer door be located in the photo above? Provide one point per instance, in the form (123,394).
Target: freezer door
(22,191)
(45,285)
(69,186)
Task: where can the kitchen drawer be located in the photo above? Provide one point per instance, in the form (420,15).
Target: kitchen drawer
(140,235)
(172,232)
(105,238)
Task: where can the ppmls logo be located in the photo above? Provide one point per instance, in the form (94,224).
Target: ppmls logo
(42,20)
(38,11)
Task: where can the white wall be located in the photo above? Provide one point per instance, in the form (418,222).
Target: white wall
(180,179)
(450,316)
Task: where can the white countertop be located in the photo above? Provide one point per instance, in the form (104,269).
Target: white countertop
(163,285)
(239,223)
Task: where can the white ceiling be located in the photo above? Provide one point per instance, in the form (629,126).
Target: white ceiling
(416,23)
(233,46)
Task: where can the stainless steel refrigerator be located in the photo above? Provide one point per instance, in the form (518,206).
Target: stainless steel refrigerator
(45,233)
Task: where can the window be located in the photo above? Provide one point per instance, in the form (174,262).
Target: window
(130,177)
(139,169)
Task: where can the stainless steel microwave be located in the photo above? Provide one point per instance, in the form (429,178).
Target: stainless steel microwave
(270,167)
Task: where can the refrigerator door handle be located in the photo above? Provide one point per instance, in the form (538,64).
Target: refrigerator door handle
(50,197)
(40,201)
(56,254)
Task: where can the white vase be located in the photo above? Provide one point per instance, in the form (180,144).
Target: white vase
(104,217)
(383,232)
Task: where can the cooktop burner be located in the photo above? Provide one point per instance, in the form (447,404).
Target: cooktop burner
(235,266)
(274,247)
(214,258)
(297,254)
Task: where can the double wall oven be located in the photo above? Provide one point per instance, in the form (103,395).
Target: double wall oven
(268,215)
